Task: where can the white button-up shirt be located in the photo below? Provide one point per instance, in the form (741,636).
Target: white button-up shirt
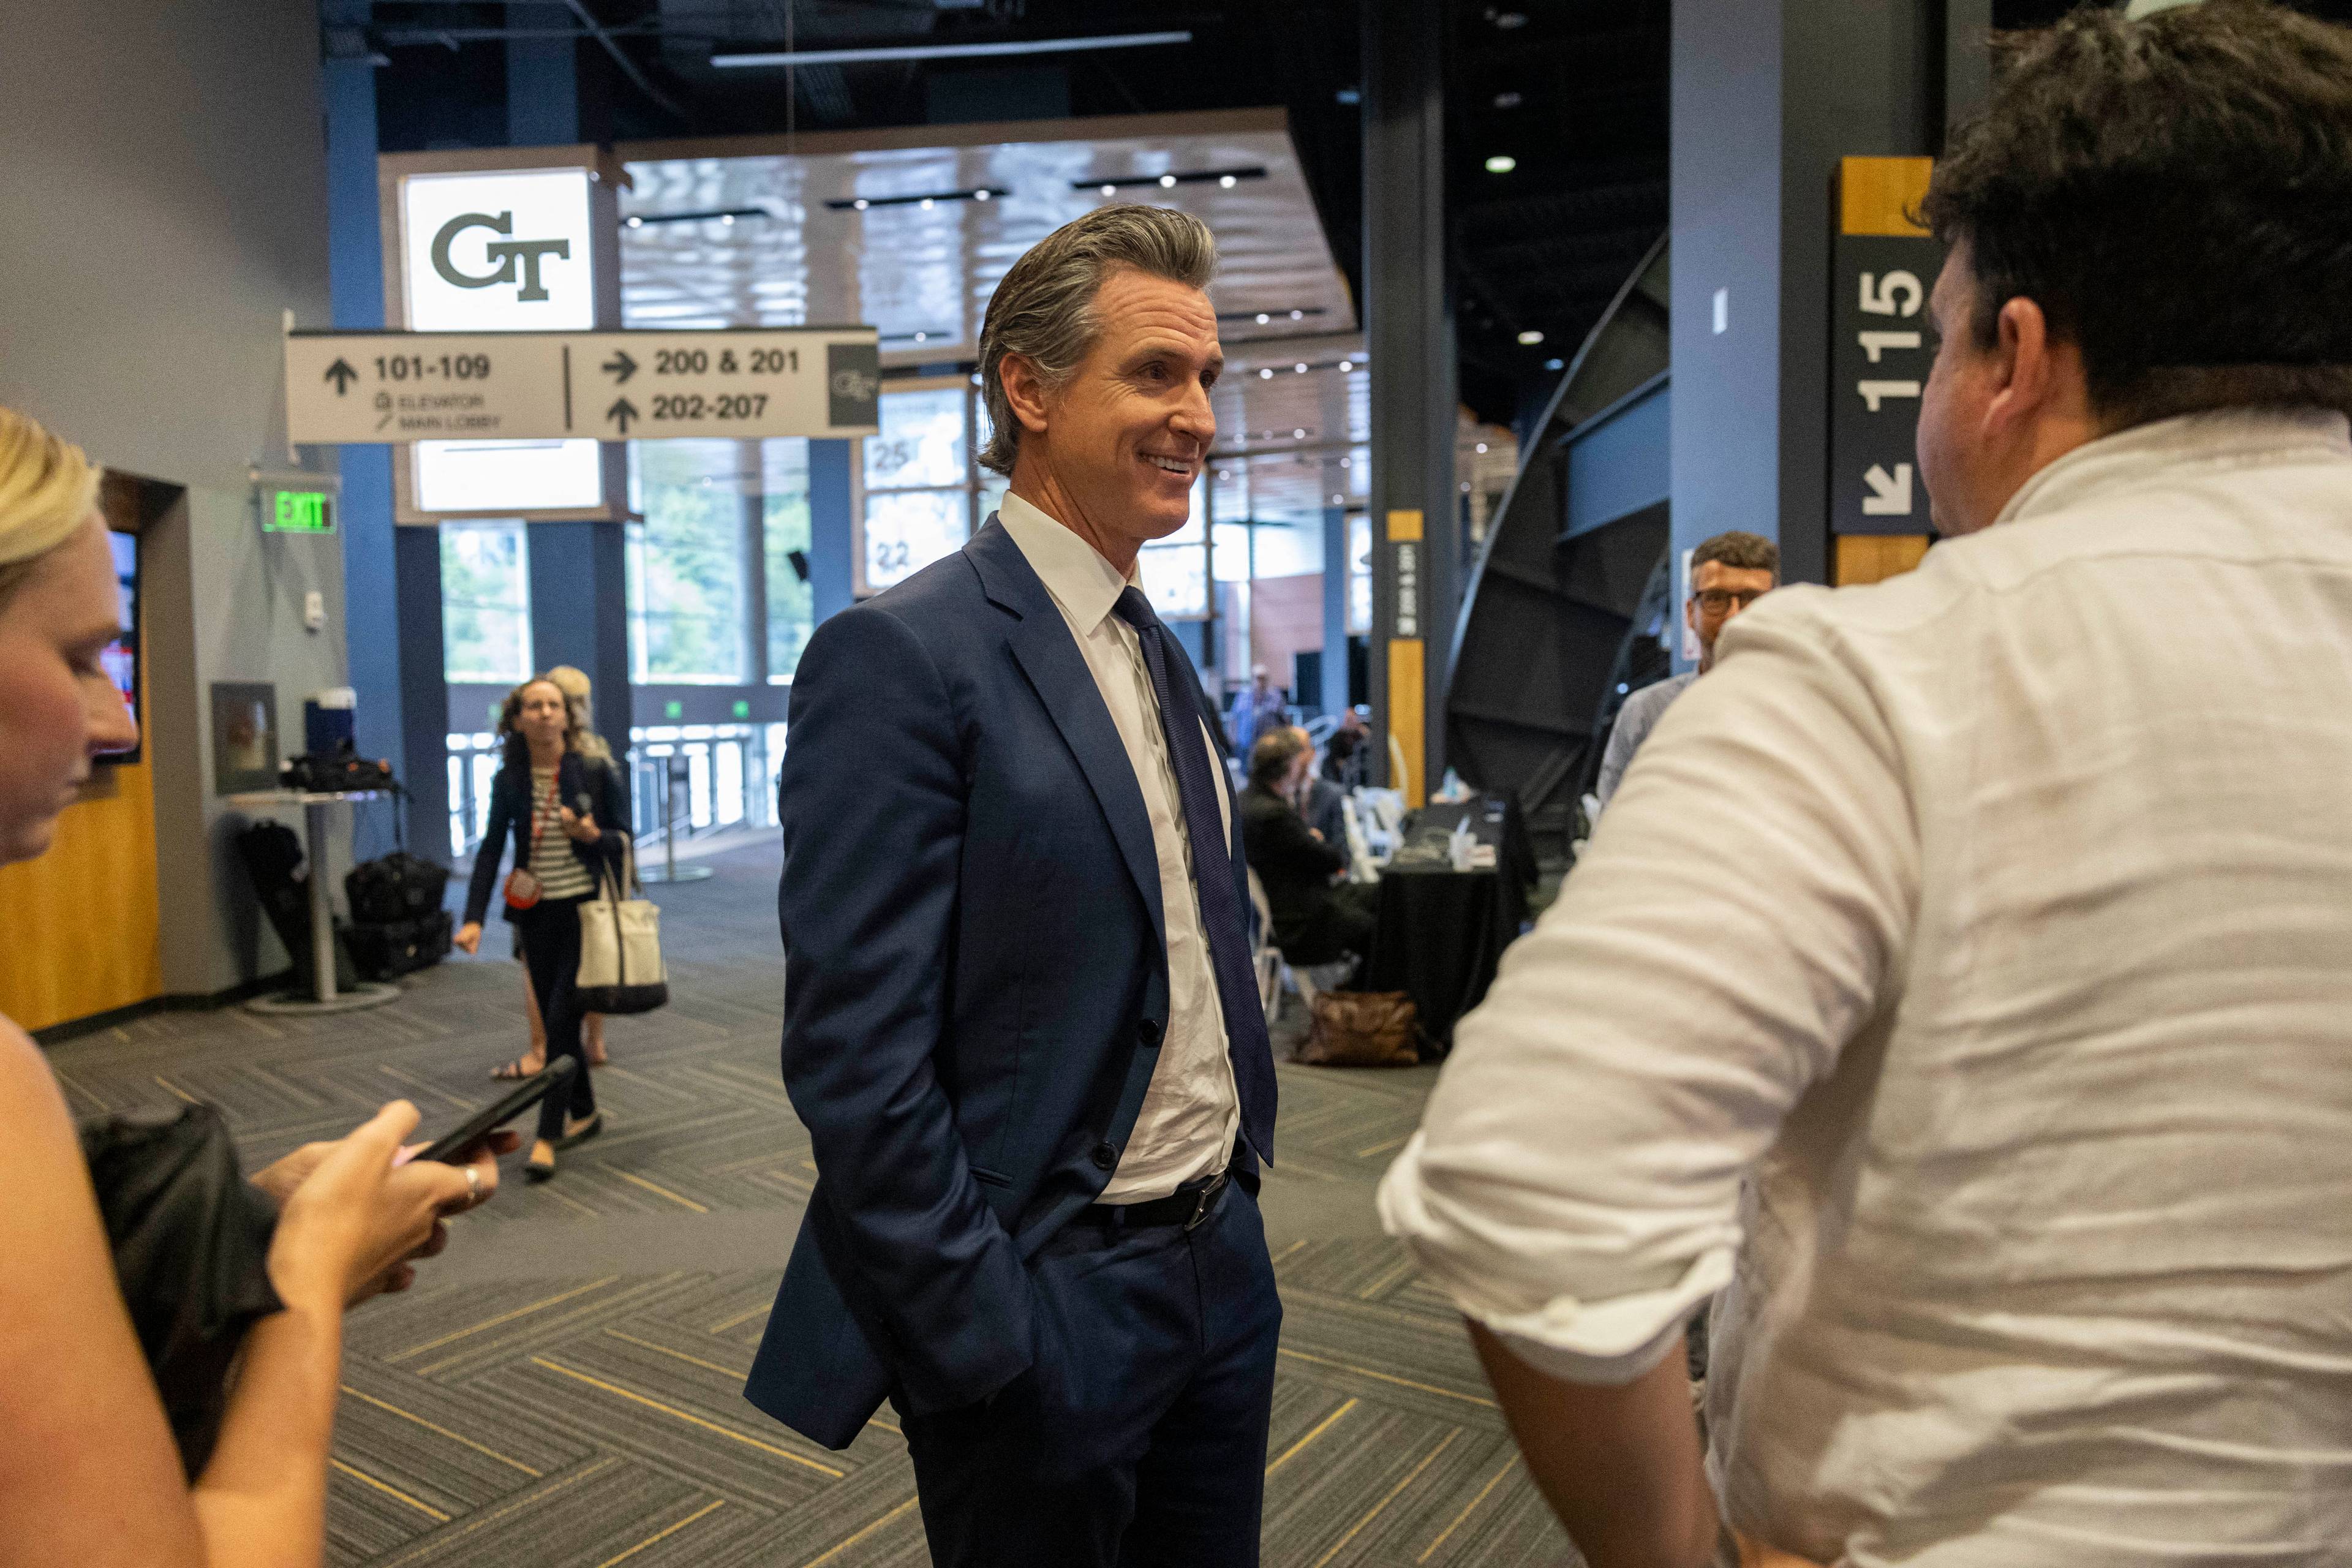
(1191,1112)
(1963,976)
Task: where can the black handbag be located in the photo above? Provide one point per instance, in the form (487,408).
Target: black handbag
(191,1241)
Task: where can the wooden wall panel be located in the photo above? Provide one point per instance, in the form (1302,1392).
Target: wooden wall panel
(79,926)
(1875,557)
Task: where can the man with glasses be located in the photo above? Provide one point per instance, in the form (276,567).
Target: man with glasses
(1729,573)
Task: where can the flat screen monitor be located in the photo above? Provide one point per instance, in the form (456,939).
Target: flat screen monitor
(120,657)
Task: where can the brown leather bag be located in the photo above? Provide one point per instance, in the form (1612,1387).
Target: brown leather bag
(1362,1029)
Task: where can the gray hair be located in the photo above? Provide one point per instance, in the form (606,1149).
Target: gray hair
(1044,309)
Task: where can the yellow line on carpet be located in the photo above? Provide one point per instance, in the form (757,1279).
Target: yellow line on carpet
(1466,1513)
(706,1511)
(66,1078)
(1388,1377)
(676,1355)
(453,1437)
(391,1491)
(502,1318)
(890,1427)
(739,1318)
(665,1192)
(1372,1291)
(1288,1250)
(835,1552)
(175,1088)
(535,1495)
(1322,1426)
(690,1419)
(1411,1476)
(1382,1148)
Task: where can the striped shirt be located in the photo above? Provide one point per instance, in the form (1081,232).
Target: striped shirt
(560,875)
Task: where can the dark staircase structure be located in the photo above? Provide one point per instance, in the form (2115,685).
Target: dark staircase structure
(1565,605)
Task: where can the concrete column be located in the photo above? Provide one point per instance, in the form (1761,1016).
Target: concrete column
(424,688)
(1409,337)
(1767,97)
(355,284)
(1335,608)
(832,536)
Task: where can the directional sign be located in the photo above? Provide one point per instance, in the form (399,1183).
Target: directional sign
(1881,347)
(736,384)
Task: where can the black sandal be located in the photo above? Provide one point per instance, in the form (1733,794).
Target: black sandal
(533,1171)
(595,1125)
(512,1072)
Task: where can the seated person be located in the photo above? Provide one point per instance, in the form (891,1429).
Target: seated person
(1343,753)
(1314,921)
(1323,804)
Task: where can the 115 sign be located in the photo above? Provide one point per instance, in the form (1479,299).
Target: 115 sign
(1883,265)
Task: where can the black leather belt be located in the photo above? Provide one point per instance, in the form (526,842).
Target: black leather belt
(1187,1206)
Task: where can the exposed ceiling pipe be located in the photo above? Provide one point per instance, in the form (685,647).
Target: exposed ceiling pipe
(611,45)
(772,57)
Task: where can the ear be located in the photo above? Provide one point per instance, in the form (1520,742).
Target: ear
(1026,390)
(1690,611)
(2026,368)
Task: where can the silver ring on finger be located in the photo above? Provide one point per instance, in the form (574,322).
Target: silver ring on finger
(473,1188)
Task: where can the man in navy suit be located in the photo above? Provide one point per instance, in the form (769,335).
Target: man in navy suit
(1020,1019)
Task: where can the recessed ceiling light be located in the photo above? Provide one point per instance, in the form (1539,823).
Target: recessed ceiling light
(1466,487)
(1501,163)
(1297,315)
(1338,500)
(1298,435)
(1482,445)
(726,220)
(861,203)
(1347,365)
(1226,181)
(1167,182)
(1267,374)
(925,203)
(1262,318)
(1343,462)
(1110,190)
(920,336)
(1554,364)
(1530,338)
(1510,19)
(1300,368)
(1507,101)
(636,223)
(982,194)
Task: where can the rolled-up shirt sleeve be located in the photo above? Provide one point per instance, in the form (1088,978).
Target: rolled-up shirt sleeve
(1740,913)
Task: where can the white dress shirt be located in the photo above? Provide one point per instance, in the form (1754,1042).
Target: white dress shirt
(1963,975)
(1191,1112)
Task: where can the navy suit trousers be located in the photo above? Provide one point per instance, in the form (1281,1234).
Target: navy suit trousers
(1137,1437)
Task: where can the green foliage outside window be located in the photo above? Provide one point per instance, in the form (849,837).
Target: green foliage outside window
(485,602)
(685,562)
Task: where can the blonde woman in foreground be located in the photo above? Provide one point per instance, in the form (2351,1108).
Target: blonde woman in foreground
(89,1472)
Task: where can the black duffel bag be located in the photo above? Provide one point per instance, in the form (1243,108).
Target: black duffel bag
(397,888)
(390,949)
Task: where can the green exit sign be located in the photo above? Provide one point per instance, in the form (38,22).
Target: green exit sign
(742,710)
(299,512)
(673,709)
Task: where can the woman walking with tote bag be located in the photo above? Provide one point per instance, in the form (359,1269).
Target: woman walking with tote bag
(565,814)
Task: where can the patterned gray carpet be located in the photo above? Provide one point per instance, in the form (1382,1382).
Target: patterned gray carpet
(562,1388)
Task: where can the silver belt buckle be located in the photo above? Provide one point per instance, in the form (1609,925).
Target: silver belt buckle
(1207,1201)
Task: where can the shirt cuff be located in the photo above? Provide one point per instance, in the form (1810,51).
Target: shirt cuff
(1609,1340)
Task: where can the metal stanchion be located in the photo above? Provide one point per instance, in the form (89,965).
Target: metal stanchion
(669,870)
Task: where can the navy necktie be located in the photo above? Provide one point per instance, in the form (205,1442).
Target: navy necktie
(1221,918)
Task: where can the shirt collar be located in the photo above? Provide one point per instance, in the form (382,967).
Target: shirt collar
(2132,458)
(1082,583)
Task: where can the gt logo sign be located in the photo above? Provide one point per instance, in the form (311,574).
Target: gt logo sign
(517,260)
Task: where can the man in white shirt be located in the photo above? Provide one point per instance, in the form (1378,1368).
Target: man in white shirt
(1998,1078)
(1729,573)
(1021,1018)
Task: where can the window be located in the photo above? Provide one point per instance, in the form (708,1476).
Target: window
(785,541)
(918,483)
(686,609)
(1360,575)
(485,602)
(1175,569)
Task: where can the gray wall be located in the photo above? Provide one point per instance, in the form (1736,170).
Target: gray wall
(1766,96)
(162,169)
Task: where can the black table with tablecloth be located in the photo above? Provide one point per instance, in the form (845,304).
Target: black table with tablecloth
(1439,932)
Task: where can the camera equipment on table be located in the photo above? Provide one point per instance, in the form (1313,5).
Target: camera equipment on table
(340,772)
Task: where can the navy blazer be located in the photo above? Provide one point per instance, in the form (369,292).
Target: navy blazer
(577,779)
(976,983)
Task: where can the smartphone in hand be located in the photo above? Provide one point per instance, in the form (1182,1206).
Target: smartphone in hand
(460,1144)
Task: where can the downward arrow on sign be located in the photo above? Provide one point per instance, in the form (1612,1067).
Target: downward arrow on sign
(1890,495)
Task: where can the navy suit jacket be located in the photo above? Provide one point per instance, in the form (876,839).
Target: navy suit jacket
(976,983)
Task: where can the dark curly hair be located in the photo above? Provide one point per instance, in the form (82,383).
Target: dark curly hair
(2175,192)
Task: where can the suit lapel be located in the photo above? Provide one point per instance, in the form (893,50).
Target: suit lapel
(1048,655)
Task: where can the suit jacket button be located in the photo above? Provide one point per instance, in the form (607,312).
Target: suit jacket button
(1106,1157)
(1148,1031)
